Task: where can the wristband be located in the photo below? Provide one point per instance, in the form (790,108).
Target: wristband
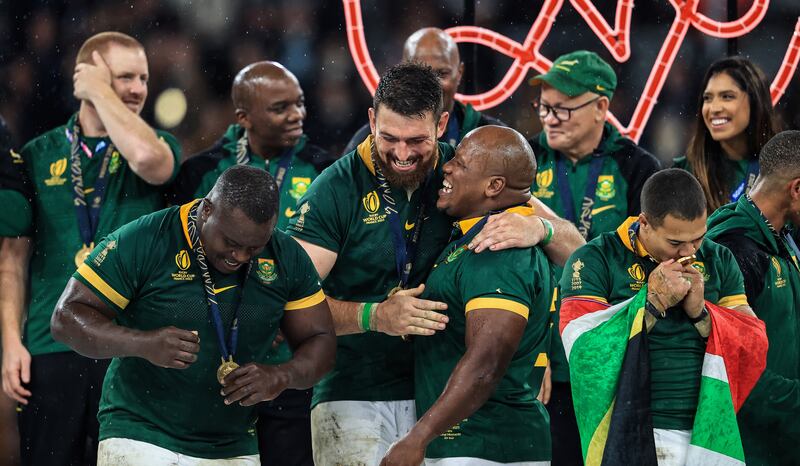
(698,319)
(649,307)
(365,314)
(549,231)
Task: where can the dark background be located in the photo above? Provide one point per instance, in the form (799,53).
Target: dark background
(198,46)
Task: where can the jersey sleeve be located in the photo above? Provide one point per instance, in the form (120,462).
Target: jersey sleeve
(118,266)
(731,292)
(305,289)
(320,217)
(586,275)
(498,280)
(175,147)
(16,190)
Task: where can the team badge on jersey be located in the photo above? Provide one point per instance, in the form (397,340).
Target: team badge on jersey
(455,254)
(183,261)
(266,270)
(57,170)
(780,282)
(605,187)
(701,267)
(299,187)
(114,163)
(544,180)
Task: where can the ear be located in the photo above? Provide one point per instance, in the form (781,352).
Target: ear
(495,186)
(442,125)
(372,120)
(643,222)
(206,210)
(460,74)
(243,119)
(794,189)
(602,108)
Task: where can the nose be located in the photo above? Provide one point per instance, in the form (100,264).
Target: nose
(550,119)
(297,113)
(401,151)
(447,168)
(138,87)
(687,249)
(241,255)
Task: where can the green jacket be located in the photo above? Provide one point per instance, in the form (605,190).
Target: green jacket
(769,421)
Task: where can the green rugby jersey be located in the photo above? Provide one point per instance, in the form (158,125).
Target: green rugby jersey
(625,168)
(343,212)
(512,425)
(199,172)
(146,271)
(608,270)
(55,225)
(768,420)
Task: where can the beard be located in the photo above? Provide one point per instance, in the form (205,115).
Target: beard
(409,180)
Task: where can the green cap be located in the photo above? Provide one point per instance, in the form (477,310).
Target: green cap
(579,72)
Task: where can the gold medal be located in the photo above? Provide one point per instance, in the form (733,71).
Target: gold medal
(225,368)
(82,254)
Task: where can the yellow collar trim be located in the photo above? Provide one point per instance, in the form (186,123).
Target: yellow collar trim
(525,210)
(622,232)
(184,215)
(365,152)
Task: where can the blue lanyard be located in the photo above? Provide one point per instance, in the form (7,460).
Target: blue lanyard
(88,214)
(584,224)
(404,251)
(747,182)
(453,134)
(228,349)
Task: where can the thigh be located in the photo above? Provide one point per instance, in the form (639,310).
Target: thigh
(284,430)
(52,425)
(127,452)
(349,433)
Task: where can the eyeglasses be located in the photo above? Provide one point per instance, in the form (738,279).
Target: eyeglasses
(561,114)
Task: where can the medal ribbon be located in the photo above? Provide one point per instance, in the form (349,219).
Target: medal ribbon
(243,158)
(585,223)
(747,182)
(228,349)
(453,130)
(792,248)
(404,251)
(88,214)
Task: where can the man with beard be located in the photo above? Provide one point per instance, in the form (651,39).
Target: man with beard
(371,228)
(270,110)
(179,328)
(473,378)
(99,171)
(435,48)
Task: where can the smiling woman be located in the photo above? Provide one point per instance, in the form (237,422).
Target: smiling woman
(735,119)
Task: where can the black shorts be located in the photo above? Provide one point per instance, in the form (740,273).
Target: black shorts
(59,424)
(284,429)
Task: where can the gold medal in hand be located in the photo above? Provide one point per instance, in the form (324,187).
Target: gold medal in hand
(225,368)
(82,254)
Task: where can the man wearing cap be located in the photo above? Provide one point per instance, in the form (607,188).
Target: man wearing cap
(435,48)
(589,174)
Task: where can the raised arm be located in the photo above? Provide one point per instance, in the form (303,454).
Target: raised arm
(148,156)
(85,323)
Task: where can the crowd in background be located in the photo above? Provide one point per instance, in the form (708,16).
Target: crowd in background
(198,46)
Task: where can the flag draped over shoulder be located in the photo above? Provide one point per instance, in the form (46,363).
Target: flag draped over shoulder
(609,369)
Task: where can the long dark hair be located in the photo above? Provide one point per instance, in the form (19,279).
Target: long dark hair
(705,155)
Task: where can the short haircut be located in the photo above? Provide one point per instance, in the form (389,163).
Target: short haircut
(673,192)
(780,156)
(249,189)
(410,89)
(102,41)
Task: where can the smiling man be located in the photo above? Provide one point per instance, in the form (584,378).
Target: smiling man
(99,171)
(588,174)
(370,226)
(475,395)
(205,316)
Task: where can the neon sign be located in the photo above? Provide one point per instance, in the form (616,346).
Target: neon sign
(617,41)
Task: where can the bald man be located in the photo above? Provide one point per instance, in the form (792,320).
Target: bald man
(270,110)
(476,395)
(435,48)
